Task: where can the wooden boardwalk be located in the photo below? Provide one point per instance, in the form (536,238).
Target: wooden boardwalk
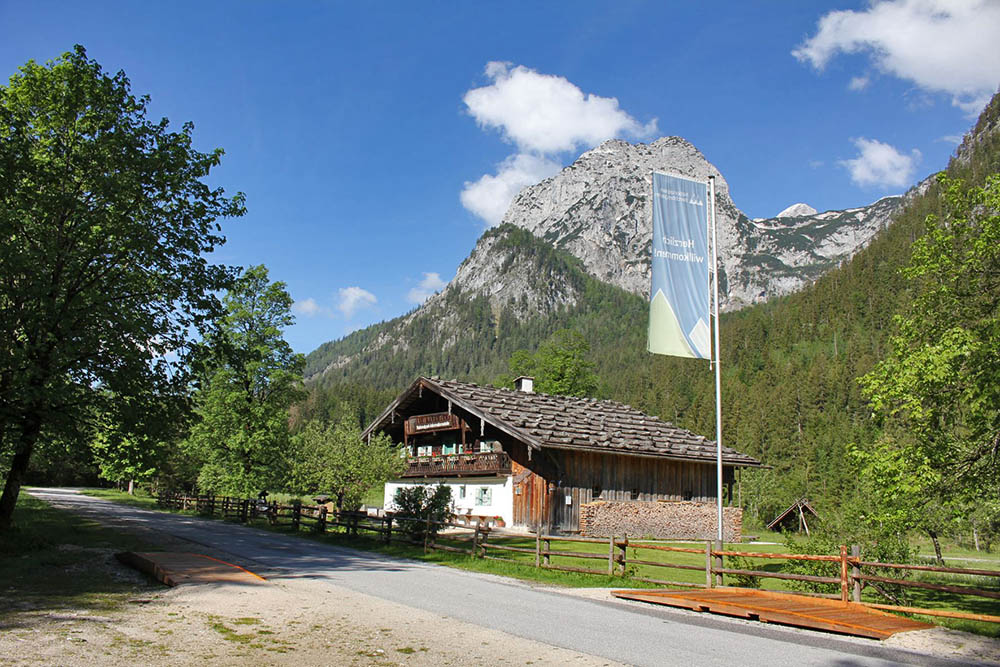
(784,608)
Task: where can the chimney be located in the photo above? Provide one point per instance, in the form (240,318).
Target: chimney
(525,384)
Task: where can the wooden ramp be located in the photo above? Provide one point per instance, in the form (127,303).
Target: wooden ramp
(847,618)
(173,568)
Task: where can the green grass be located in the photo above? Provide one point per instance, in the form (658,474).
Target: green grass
(53,559)
(141,498)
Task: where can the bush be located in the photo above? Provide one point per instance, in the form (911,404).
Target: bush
(883,548)
(415,504)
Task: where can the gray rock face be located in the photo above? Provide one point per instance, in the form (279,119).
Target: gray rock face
(599,210)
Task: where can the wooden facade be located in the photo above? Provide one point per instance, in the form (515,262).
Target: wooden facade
(448,426)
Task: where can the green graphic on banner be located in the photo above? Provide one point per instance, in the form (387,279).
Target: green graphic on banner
(679,303)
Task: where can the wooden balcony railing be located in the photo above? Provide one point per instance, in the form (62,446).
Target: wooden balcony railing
(451,465)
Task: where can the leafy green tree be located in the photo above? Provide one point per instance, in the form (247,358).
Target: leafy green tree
(333,458)
(938,393)
(251,378)
(132,436)
(105,223)
(561,365)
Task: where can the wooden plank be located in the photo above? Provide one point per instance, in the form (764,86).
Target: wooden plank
(788,609)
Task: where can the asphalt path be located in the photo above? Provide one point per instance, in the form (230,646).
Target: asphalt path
(627,632)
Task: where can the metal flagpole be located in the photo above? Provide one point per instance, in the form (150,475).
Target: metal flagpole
(718,373)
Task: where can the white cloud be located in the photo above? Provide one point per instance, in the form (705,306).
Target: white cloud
(306,307)
(490,196)
(955,139)
(943,46)
(859,83)
(881,165)
(426,288)
(547,114)
(543,115)
(352,299)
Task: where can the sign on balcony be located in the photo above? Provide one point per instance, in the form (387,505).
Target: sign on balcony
(438,421)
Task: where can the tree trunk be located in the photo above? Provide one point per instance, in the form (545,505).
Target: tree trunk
(31,426)
(131,487)
(937,548)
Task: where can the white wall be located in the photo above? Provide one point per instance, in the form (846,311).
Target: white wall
(501,495)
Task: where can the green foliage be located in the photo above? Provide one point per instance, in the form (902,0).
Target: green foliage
(105,223)
(422,502)
(876,545)
(251,378)
(938,393)
(333,458)
(559,366)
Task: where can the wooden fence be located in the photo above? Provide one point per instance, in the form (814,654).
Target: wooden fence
(853,573)
(387,528)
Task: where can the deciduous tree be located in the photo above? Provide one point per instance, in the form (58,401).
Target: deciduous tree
(105,220)
(251,378)
(938,394)
(333,458)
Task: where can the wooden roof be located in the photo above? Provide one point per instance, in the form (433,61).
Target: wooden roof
(566,422)
(798,506)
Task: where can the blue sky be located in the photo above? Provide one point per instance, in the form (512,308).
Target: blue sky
(355,128)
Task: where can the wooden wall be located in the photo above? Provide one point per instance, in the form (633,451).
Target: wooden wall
(618,476)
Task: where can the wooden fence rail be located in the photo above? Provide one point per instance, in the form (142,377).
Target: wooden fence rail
(391,528)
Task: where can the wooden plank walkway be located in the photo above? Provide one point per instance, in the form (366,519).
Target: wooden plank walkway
(848,618)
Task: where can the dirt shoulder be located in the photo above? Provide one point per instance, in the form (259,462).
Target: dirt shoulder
(280,623)
(286,621)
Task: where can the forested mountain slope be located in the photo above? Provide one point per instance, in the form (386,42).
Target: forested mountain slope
(790,396)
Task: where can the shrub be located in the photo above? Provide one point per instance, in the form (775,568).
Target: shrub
(415,504)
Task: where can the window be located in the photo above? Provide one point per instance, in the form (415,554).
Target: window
(484,496)
(461,491)
(448,448)
(424,450)
(595,491)
(635,494)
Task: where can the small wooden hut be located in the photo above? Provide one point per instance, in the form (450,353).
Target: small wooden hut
(795,514)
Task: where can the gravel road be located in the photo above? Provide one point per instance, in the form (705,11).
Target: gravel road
(587,630)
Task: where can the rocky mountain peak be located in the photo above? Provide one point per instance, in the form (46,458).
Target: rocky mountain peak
(797,211)
(598,209)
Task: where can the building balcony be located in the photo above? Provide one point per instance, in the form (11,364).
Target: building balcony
(458,465)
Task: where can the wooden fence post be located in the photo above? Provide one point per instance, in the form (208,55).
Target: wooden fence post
(538,547)
(708,564)
(388,528)
(296,514)
(546,559)
(321,521)
(843,573)
(272,513)
(611,555)
(856,571)
(624,556)
(718,563)
(475,541)
(427,531)
(246,510)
